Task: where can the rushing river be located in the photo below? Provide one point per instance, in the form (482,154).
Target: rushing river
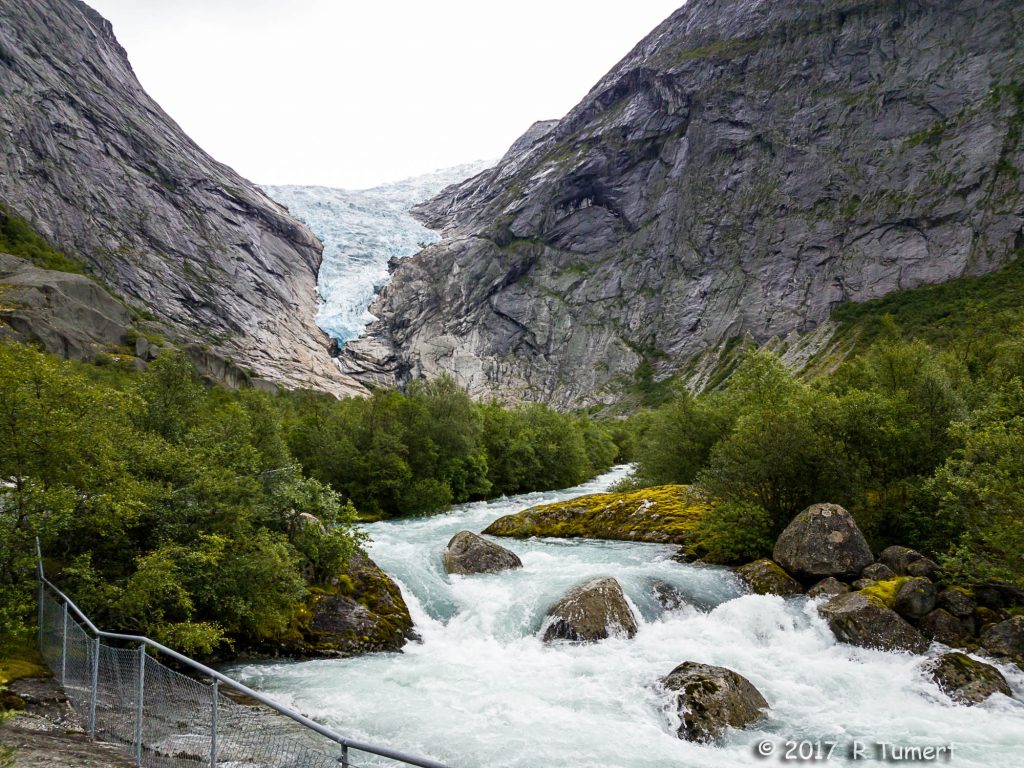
(482,691)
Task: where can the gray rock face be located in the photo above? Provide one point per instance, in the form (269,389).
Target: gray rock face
(103,173)
(957,602)
(468,553)
(593,611)
(745,169)
(710,699)
(765,577)
(70,315)
(823,540)
(966,680)
(855,619)
(946,628)
(877,572)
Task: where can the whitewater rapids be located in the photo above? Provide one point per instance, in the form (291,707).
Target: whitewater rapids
(481,690)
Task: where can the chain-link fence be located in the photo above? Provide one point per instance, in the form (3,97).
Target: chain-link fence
(166,719)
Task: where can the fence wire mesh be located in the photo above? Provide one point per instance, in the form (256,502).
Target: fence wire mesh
(165,719)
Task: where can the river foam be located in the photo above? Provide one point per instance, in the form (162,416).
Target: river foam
(480,690)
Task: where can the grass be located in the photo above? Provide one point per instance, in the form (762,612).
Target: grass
(19,239)
(944,313)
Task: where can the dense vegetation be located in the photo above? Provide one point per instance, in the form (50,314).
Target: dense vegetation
(19,239)
(199,516)
(920,434)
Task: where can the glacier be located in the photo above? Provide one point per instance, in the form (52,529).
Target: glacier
(361,231)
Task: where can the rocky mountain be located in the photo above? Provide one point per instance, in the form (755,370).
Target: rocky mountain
(745,169)
(97,168)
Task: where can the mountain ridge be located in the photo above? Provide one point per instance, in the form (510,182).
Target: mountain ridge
(105,175)
(745,169)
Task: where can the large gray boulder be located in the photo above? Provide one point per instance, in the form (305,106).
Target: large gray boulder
(765,577)
(710,699)
(944,627)
(828,587)
(821,541)
(915,598)
(966,680)
(590,612)
(468,553)
(1005,638)
(860,620)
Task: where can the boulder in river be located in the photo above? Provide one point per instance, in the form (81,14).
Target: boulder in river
(468,553)
(765,577)
(710,699)
(957,601)
(590,612)
(1005,638)
(966,680)
(669,596)
(877,572)
(860,620)
(821,541)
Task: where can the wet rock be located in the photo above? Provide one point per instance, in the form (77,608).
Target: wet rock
(1005,638)
(828,587)
(710,699)
(957,601)
(590,612)
(669,597)
(942,626)
(823,540)
(860,620)
(915,598)
(863,583)
(765,577)
(966,680)
(366,615)
(877,572)
(468,553)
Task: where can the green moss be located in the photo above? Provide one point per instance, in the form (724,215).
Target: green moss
(667,513)
(18,238)
(21,662)
(884,592)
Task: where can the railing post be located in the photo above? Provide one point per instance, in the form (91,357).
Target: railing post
(344,755)
(139,705)
(213,724)
(64,648)
(95,688)
(42,593)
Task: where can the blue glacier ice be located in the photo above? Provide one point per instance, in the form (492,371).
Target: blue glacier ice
(361,230)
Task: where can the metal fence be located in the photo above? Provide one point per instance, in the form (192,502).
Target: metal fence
(166,719)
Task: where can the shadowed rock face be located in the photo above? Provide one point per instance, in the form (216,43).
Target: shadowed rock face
(966,680)
(858,620)
(103,173)
(746,168)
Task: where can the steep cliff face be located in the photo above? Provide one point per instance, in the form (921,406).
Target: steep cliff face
(746,168)
(104,174)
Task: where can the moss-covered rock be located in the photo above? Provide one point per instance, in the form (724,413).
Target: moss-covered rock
(710,699)
(915,598)
(966,680)
(883,593)
(766,577)
(362,612)
(663,514)
(858,619)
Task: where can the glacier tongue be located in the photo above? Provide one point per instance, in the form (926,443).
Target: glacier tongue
(361,231)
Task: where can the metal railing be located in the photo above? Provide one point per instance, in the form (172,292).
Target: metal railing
(163,718)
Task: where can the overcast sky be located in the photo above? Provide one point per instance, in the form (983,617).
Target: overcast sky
(352,93)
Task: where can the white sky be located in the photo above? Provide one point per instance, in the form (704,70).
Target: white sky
(352,93)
